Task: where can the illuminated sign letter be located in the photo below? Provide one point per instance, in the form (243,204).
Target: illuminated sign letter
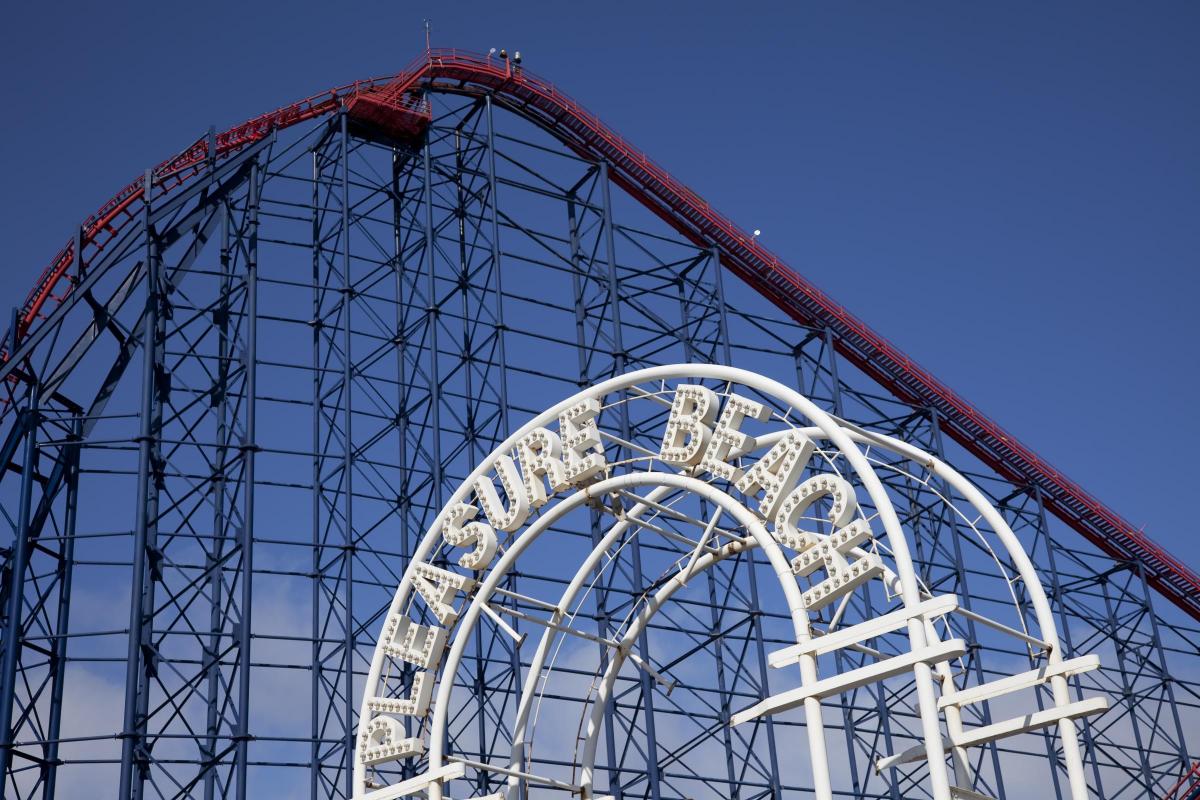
(382,739)
(506,519)
(414,704)
(828,553)
(540,453)
(727,441)
(583,451)
(437,587)
(478,534)
(777,471)
(411,642)
(689,426)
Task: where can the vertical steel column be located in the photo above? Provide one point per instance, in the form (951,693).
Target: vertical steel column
(726,709)
(432,315)
(825,336)
(462,276)
(1185,761)
(960,571)
(840,656)
(139,654)
(471,401)
(431,321)
(11,339)
(581,347)
(685,323)
(1064,627)
(620,361)
(502,354)
(498,283)
(1127,692)
(403,497)
(835,380)
(760,646)
(212,654)
(1048,735)
(620,357)
(722,309)
(615,788)
(432,312)
(715,616)
(80,268)
(314,766)
(249,448)
(347,461)
(463,281)
(16,591)
(577,286)
(66,564)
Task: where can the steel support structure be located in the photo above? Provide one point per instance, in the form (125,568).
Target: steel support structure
(299,336)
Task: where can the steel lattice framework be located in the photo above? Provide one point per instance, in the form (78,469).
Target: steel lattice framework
(255,376)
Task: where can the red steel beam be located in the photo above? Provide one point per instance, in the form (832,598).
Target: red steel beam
(539,101)
(1192,778)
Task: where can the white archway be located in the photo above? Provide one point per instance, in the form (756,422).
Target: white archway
(753,482)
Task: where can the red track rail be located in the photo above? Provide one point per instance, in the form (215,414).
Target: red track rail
(691,216)
(1192,779)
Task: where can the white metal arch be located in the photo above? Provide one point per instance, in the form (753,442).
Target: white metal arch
(846,440)
(743,516)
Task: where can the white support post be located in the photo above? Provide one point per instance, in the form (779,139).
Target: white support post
(871,629)
(853,679)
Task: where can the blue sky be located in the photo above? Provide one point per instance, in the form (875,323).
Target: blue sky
(1010,192)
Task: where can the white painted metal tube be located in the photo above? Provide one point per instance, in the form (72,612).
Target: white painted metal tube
(733,508)
(1043,612)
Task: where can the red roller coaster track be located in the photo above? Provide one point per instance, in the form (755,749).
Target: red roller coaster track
(538,100)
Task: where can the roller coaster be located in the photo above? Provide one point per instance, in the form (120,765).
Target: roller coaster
(237,400)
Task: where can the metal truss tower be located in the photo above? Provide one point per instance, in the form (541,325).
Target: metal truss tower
(237,398)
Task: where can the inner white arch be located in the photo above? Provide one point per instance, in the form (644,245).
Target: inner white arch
(846,441)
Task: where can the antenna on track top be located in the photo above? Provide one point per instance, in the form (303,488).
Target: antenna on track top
(428,25)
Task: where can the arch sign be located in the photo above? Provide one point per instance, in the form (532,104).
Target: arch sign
(774,474)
